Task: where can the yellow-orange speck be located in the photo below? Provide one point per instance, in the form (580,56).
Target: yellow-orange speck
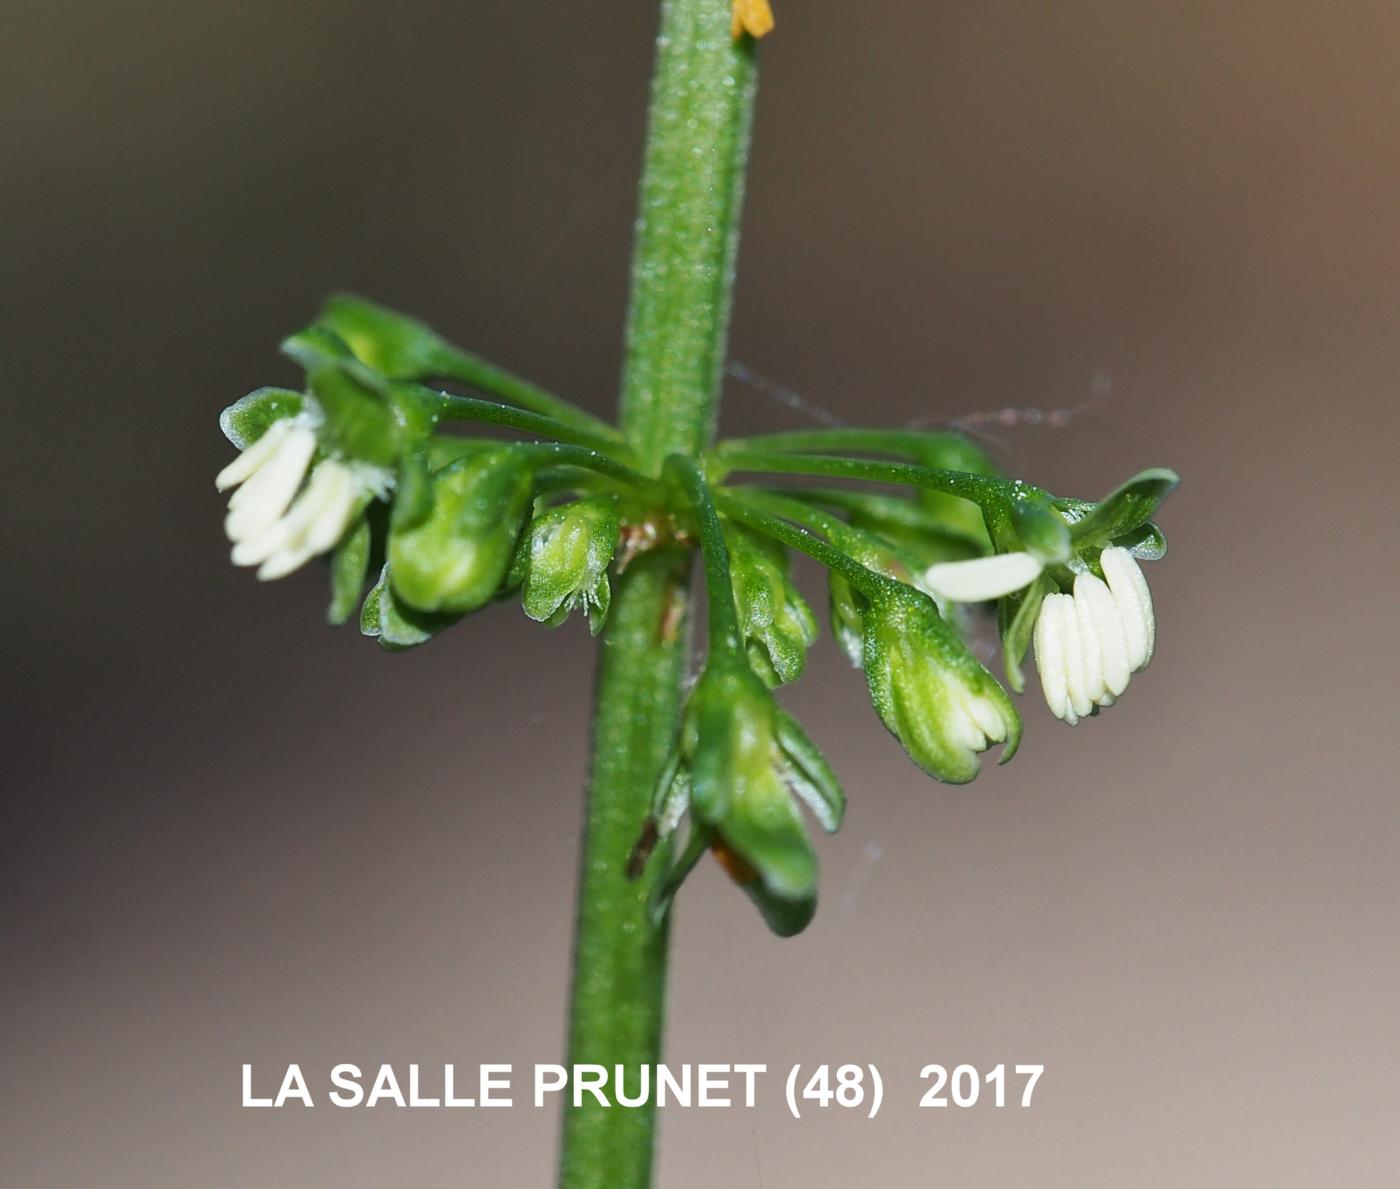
(753,17)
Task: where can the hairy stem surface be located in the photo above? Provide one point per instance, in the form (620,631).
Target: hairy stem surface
(682,275)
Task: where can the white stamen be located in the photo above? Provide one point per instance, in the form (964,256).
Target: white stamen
(988,717)
(1134,600)
(1050,657)
(1096,602)
(264,496)
(1076,669)
(254,456)
(982,578)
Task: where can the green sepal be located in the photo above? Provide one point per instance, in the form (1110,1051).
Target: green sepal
(1147,542)
(394,344)
(413,492)
(563,561)
(397,627)
(349,568)
(1017,615)
(456,557)
(775,621)
(927,687)
(315,346)
(764,827)
(844,605)
(1041,531)
(358,423)
(248,418)
(809,775)
(1121,513)
(786,916)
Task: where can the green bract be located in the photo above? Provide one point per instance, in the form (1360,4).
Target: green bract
(930,691)
(565,558)
(774,620)
(452,554)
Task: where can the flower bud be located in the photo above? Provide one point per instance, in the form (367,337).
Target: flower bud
(453,555)
(745,759)
(930,691)
(774,620)
(566,555)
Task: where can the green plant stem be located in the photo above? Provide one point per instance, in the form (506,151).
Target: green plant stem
(984,490)
(452,363)
(738,506)
(719,587)
(562,454)
(447,407)
(682,273)
(905,443)
(687,230)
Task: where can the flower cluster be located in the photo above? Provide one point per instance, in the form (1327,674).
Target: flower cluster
(361,466)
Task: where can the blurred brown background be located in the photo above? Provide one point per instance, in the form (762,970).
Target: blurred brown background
(232,835)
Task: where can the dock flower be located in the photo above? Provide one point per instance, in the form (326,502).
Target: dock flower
(930,691)
(1089,643)
(287,506)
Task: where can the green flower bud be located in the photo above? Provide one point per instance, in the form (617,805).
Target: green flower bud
(453,556)
(774,620)
(930,691)
(744,759)
(566,555)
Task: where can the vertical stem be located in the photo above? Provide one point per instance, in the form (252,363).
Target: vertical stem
(682,275)
(687,230)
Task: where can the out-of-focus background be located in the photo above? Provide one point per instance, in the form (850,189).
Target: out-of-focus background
(232,835)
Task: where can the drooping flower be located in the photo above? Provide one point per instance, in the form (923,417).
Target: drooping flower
(1089,643)
(930,691)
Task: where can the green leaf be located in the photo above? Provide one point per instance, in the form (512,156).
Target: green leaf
(1120,513)
(349,567)
(247,419)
